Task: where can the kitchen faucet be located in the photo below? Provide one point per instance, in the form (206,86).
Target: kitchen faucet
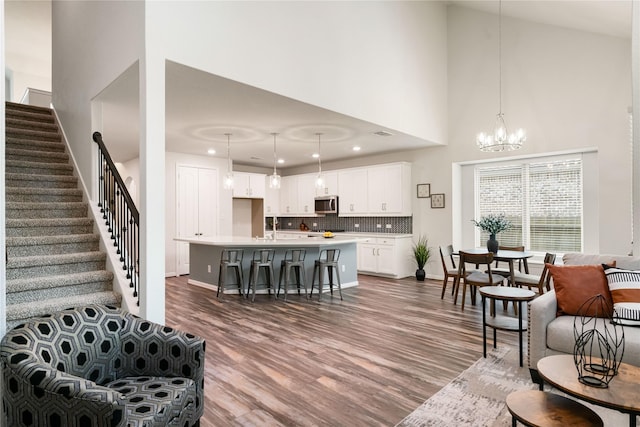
(275,221)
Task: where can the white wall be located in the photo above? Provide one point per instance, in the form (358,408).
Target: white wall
(383,62)
(27,31)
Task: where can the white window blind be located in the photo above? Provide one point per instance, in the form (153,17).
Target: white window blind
(542,199)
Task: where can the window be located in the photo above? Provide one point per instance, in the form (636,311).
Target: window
(541,198)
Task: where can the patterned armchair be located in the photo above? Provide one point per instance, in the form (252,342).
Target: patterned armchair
(100,366)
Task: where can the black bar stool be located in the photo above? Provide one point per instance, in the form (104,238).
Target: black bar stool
(328,259)
(293,261)
(262,259)
(230,258)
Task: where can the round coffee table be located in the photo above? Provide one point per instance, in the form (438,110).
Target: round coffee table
(535,408)
(504,293)
(621,395)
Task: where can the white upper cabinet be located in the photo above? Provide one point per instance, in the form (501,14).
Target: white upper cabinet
(271,199)
(352,184)
(306,194)
(248,185)
(330,187)
(289,195)
(390,189)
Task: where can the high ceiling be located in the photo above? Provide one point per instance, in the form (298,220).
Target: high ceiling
(201,108)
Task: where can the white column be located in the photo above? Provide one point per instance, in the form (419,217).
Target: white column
(3,265)
(635,95)
(152,184)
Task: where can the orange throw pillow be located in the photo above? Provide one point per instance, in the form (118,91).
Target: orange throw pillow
(575,284)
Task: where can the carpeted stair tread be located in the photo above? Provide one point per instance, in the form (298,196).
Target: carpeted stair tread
(49,245)
(48,226)
(36,116)
(46,210)
(36,156)
(35,125)
(12,132)
(19,285)
(25,144)
(14,106)
(38,168)
(35,194)
(40,181)
(60,259)
(17,313)
(41,288)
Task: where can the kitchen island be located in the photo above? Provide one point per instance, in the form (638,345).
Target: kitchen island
(204,257)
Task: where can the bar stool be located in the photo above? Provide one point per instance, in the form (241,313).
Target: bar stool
(230,258)
(293,260)
(262,259)
(328,259)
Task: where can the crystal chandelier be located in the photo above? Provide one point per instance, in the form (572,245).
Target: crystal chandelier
(319,177)
(274,180)
(228,177)
(500,139)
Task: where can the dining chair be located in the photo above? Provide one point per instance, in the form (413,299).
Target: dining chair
(447,252)
(540,282)
(475,277)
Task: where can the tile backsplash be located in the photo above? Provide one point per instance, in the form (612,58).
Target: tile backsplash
(368,224)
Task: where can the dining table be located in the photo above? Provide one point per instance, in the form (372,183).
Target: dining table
(508,256)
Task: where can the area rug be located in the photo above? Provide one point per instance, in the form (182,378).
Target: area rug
(477,396)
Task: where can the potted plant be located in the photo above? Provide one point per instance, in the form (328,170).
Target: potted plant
(421,253)
(493,224)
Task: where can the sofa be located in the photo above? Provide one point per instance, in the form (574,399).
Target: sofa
(549,334)
(101,366)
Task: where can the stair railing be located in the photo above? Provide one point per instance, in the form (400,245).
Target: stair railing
(120,214)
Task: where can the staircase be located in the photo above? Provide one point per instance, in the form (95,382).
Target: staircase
(53,256)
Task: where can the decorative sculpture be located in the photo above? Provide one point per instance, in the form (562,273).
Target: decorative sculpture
(599,342)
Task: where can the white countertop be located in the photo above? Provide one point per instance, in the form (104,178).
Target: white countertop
(300,241)
(348,234)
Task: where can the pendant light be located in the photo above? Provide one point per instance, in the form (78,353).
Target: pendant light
(500,140)
(274,180)
(228,177)
(319,177)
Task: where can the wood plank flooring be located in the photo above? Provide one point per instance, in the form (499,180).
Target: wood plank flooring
(366,361)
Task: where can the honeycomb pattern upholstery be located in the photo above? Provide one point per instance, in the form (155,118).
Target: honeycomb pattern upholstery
(100,366)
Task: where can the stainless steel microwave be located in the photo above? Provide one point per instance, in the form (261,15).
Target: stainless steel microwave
(326,205)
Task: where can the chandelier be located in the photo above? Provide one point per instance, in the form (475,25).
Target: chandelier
(228,177)
(500,139)
(274,180)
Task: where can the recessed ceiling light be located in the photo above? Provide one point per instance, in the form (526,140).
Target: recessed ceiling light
(211,151)
(383,133)
(315,155)
(356,148)
(280,161)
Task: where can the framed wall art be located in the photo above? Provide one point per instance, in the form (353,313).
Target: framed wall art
(437,201)
(424,191)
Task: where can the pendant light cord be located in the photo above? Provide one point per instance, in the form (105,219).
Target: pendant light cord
(500,56)
(319,160)
(228,152)
(275,156)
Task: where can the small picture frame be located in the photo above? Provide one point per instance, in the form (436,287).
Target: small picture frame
(437,201)
(424,191)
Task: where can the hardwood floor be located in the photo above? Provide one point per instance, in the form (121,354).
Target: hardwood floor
(366,361)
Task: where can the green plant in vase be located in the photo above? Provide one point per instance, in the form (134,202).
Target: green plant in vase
(421,254)
(493,224)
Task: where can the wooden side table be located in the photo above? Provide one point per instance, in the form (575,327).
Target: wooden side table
(535,408)
(504,293)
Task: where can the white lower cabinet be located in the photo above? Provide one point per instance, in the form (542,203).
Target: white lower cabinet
(385,256)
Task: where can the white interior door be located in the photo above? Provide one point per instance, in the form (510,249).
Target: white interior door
(208,202)
(187,215)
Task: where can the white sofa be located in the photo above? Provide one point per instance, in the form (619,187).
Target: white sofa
(548,335)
